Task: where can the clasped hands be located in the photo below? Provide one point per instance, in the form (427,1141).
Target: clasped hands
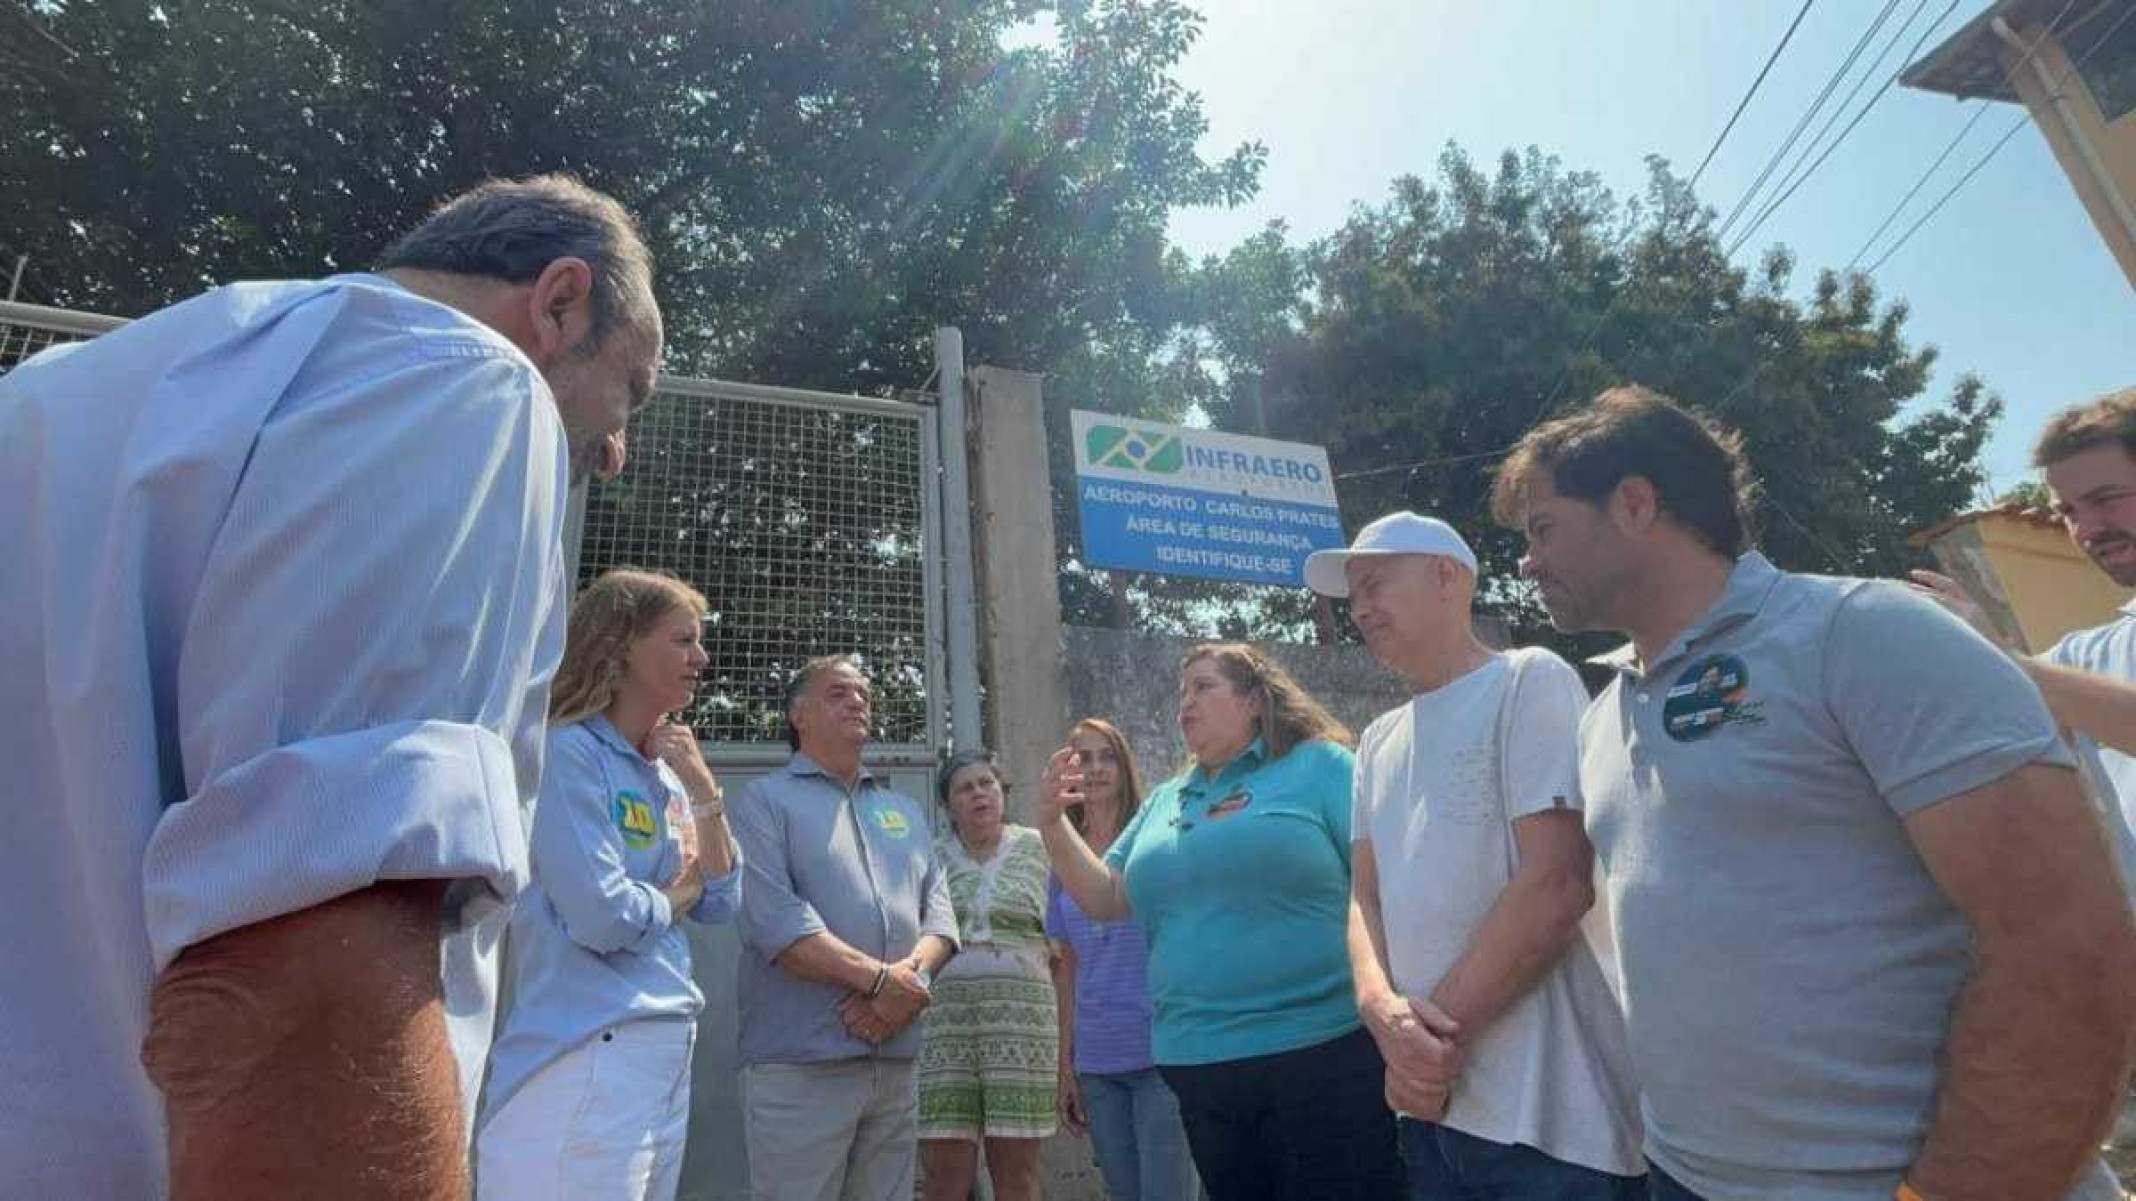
(903,996)
(1418,1041)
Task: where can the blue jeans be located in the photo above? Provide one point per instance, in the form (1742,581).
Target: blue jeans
(1135,1131)
(1444,1164)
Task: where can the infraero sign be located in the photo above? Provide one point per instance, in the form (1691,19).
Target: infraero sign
(1199,503)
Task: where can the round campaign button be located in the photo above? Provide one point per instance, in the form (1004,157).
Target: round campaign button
(1708,695)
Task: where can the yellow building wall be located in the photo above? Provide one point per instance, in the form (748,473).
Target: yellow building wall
(2051,586)
(2114,141)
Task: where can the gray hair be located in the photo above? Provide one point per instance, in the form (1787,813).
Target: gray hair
(797,684)
(512,229)
(971,756)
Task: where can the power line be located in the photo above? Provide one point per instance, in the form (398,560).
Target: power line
(1610,310)
(1750,377)
(1831,84)
(1744,103)
(1810,114)
(1893,215)
(1832,556)
(1793,180)
(1937,207)
(1437,462)
(2008,134)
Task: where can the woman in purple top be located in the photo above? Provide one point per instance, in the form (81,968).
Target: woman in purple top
(1109,1083)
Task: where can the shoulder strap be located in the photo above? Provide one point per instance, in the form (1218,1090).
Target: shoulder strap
(1518,660)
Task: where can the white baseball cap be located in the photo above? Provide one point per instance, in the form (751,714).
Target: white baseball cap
(1402,533)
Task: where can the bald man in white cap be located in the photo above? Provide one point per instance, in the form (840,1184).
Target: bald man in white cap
(1472,890)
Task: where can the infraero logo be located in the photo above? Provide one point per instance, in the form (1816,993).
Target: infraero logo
(1118,446)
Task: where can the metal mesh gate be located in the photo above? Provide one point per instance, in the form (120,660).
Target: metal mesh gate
(26,329)
(808,520)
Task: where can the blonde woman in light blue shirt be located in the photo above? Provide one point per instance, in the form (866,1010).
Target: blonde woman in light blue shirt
(589,1091)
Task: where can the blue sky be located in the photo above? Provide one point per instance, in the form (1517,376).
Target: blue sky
(2010,280)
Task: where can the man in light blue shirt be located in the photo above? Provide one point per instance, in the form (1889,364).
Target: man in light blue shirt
(845,919)
(282,599)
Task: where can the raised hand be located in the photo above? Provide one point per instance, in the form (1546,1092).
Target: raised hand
(1952,595)
(1061,789)
(675,744)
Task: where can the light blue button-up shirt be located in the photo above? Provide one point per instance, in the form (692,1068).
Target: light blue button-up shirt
(594,941)
(281,585)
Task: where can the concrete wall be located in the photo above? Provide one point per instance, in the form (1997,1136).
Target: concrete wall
(1132,680)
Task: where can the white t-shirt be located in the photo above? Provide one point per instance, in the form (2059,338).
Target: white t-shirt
(1436,796)
(2108,650)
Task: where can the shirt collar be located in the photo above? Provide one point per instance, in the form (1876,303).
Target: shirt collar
(1253,756)
(1750,583)
(604,731)
(802,765)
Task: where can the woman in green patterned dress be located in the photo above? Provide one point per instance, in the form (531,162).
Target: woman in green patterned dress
(990,1053)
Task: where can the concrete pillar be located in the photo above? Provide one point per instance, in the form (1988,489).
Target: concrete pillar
(1020,642)
(1018,580)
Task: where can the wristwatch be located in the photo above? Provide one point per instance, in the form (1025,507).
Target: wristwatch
(716,807)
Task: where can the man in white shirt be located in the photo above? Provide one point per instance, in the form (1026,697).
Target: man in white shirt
(1505,1046)
(283,594)
(2088,455)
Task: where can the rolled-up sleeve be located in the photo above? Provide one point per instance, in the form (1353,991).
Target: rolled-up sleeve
(368,627)
(722,899)
(578,856)
(774,917)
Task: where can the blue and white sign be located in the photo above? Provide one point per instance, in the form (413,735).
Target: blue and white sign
(1199,503)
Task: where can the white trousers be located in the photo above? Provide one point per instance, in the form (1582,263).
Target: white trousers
(605,1122)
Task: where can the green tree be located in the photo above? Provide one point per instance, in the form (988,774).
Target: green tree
(2027,494)
(1436,328)
(823,182)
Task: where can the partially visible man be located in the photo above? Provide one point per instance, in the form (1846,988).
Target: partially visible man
(1871,939)
(2089,677)
(283,596)
(1471,875)
(845,919)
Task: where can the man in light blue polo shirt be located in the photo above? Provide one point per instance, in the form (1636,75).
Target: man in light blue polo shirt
(1871,938)
(283,591)
(845,919)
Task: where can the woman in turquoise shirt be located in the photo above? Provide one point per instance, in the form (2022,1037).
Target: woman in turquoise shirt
(1238,872)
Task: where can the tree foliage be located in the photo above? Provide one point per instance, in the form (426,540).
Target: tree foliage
(825,182)
(1434,329)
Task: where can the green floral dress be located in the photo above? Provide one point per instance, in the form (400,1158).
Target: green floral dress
(990,1053)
